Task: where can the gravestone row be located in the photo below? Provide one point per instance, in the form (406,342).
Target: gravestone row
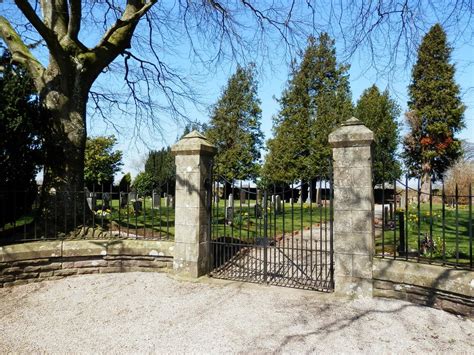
(91,199)
(124,199)
(276,203)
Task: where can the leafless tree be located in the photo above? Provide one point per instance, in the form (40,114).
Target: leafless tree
(460,177)
(67,44)
(468,152)
(135,37)
(388,32)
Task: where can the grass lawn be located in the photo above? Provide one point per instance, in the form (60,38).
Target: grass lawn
(450,233)
(148,223)
(246,225)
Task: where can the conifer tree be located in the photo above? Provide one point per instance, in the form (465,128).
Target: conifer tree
(379,112)
(435,111)
(21,155)
(234,127)
(317,99)
(125,182)
(160,166)
(194,126)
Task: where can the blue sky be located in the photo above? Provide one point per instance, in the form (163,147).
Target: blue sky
(272,78)
(272,81)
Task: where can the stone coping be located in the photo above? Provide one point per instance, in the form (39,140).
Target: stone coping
(436,277)
(352,133)
(85,248)
(193,143)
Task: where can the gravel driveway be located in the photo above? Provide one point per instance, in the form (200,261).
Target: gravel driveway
(150,312)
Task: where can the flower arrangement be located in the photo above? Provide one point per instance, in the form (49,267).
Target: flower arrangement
(103,213)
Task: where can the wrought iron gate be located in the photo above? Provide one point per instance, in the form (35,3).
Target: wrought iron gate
(280,236)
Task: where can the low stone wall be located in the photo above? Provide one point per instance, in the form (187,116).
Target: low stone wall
(49,260)
(436,286)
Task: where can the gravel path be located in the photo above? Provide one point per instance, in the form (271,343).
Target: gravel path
(149,312)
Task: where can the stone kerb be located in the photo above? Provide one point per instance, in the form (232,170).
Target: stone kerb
(193,157)
(353,208)
(49,260)
(436,286)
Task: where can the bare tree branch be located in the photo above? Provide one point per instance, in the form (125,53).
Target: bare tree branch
(130,16)
(385,34)
(389,32)
(75,14)
(60,18)
(46,33)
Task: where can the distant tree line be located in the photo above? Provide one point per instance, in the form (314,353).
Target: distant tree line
(317,98)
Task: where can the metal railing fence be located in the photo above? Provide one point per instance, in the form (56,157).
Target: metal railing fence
(433,226)
(103,212)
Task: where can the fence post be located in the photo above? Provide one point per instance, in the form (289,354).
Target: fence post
(353,208)
(193,157)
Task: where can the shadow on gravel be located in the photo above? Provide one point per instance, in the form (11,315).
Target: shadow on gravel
(335,325)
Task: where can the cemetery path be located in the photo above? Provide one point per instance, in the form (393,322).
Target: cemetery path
(296,259)
(150,312)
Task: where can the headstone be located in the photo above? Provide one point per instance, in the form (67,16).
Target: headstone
(132,195)
(278,206)
(308,198)
(123,199)
(156,200)
(137,206)
(106,201)
(242,196)
(258,210)
(229,214)
(272,200)
(319,196)
(231,200)
(171,201)
(300,196)
(92,200)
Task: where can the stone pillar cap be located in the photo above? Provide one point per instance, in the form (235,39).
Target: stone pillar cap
(193,143)
(351,133)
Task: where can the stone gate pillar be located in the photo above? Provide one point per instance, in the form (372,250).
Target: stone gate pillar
(193,157)
(353,208)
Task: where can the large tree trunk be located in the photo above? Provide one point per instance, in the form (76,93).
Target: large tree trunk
(62,204)
(63,87)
